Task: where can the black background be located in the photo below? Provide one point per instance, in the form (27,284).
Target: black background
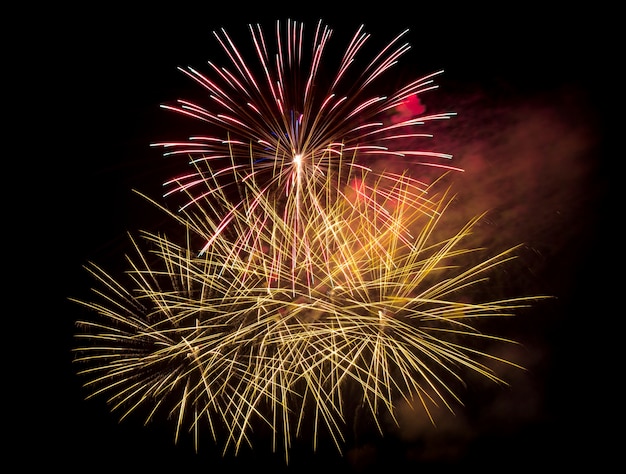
(88,84)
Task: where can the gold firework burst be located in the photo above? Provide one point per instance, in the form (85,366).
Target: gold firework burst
(275,324)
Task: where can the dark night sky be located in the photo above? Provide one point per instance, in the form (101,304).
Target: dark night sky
(529,87)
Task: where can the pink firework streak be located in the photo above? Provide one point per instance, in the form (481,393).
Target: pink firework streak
(276,122)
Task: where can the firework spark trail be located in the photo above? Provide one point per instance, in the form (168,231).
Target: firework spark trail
(304,276)
(230,339)
(284,118)
(361,190)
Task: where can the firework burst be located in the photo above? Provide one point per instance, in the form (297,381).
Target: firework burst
(306,286)
(229,339)
(286,118)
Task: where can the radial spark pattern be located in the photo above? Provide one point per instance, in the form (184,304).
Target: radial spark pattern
(230,339)
(307,286)
(287,116)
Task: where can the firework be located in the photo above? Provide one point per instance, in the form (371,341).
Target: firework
(284,119)
(229,339)
(307,286)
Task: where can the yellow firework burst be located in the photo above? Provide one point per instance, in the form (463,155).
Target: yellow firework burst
(306,286)
(276,324)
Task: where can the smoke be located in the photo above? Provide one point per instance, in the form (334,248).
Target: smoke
(529,160)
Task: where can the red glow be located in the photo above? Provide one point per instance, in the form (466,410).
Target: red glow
(411,107)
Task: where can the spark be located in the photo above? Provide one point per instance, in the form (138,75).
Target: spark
(304,273)
(253,331)
(278,109)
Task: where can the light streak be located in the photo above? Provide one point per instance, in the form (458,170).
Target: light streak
(275,106)
(305,274)
(256,331)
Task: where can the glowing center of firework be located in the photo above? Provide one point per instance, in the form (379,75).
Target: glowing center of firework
(297,159)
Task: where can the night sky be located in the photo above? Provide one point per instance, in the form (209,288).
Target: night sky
(531,132)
